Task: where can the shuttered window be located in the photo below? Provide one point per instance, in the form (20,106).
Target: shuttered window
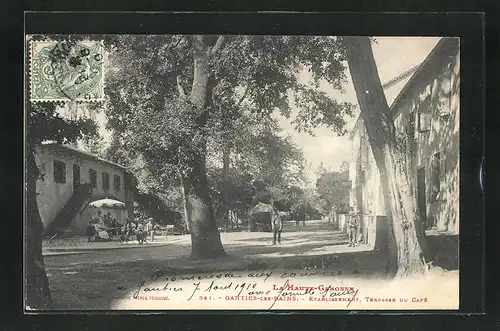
(93,177)
(444,93)
(105,181)
(424,122)
(411,125)
(59,172)
(436,176)
(117,183)
(424,109)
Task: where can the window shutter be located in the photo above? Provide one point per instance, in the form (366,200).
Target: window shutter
(366,154)
(444,101)
(59,172)
(442,173)
(117,183)
(411,124)
(424,122)
(435,176)
(93,177)
(105,181)
(442,166)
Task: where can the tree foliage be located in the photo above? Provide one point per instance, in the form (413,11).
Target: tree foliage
(44,123)
(263,71)
(333,188)
(173,98)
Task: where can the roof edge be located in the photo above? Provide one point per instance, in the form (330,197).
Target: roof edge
(79,151)
(416,71)
(444,45)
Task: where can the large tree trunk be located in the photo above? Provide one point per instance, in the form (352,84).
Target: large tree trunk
(225,174)
(185,214)
(37,284)
(400,200)
(205,237)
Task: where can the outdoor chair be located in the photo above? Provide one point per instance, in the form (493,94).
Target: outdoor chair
(70,236)
(169,229)
(52,240)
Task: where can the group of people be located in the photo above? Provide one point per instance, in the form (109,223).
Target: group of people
(141,228)
(102,227)
(352,225)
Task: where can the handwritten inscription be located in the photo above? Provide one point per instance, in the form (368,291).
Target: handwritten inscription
(252,286)
(167,287)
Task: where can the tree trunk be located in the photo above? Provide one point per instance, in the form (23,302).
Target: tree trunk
(400,200)
(205,237)
(37,284)
(225,173)
(186,218)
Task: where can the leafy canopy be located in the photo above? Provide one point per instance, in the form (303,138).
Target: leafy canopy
(333,188)
(44,123)
(263,72)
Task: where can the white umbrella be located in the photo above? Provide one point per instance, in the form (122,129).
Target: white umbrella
(107,203)
(262,208)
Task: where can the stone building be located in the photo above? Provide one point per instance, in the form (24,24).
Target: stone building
(71,179)
(426,114)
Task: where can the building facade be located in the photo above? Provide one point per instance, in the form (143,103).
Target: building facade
(426,115)
(71,179)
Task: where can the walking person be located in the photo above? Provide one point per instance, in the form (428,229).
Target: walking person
(352,228)
(277,225)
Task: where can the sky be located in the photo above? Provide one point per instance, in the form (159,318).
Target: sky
(393,55)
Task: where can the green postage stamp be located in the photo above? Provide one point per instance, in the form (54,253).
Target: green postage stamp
(66,70)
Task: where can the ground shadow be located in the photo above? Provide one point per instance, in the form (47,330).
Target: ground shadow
(444,250)
(100,286)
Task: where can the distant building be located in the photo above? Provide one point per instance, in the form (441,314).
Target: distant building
(71,179)
(426,115)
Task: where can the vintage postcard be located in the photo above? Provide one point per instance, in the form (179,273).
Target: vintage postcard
(242,172)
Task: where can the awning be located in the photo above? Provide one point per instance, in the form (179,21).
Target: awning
(107,203)
(262,208)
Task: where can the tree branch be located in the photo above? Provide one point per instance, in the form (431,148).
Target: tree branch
(218,45)
(182,93)
(243,96)
(178,41)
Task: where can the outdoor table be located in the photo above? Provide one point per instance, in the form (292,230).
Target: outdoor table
(116,235)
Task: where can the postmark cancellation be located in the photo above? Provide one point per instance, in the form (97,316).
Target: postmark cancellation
(66,70)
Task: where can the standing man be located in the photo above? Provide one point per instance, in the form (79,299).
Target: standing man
(295,216)
(276,225)
(352,228)
(150,229)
